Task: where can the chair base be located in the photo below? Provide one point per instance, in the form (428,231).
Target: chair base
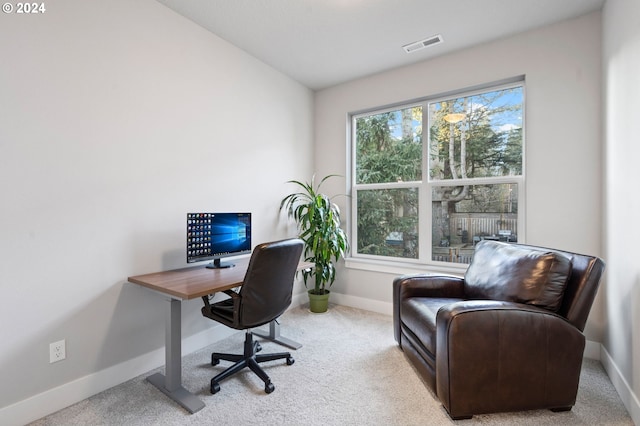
(251,359)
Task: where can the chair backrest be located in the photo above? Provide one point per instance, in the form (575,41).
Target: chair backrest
(268,283)
(582,286)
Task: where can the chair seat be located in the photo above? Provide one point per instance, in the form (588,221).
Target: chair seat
(222,311)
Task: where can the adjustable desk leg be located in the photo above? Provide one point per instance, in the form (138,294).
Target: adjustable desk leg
(171,384)
(274,336)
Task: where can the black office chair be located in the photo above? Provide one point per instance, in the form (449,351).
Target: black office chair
(264,295)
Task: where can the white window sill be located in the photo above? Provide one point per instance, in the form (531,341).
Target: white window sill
(403,268)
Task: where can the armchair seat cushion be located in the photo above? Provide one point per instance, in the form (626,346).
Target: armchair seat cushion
(510,273)
(419,316)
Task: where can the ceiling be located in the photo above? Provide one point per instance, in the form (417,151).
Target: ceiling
(321,43)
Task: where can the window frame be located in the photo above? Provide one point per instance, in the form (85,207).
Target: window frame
(424,187)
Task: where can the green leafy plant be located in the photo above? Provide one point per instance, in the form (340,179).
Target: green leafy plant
(318,221)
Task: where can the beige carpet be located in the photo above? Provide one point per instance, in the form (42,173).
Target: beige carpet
(348,372)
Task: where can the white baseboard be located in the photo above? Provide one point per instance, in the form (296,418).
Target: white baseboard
(299,299)
(56,399)
(53,400)
(362,303)
(628,397)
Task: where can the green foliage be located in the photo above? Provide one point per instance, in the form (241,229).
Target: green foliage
(382,158)
(388,149)
(401,162)
(378,217)
(318,220)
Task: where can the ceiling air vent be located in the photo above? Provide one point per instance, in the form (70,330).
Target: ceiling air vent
(417,45)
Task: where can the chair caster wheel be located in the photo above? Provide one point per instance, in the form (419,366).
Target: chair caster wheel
(258,347)
(214,361)
(215,387)
(290,361)
(268,387)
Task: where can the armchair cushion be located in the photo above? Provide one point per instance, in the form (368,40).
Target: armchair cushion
(419,315)
(511,273)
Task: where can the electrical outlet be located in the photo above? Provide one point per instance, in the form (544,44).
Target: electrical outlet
(57,351)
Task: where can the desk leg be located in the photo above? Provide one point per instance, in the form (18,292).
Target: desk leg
(171,384)
(274,336)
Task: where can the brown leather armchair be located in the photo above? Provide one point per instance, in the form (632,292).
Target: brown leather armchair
(507,336)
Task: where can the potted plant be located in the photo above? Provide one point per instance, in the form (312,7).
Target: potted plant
(318,222)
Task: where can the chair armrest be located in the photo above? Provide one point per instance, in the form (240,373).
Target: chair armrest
(232,294)
(423,285)
(225,311)
(493,355)
(206,299)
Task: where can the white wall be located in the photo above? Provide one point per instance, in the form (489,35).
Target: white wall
(116,118)
(562,65)
(621,63)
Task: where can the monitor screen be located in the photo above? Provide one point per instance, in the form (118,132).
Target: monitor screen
(211,236)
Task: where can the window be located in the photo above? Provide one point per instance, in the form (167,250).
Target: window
(431,196)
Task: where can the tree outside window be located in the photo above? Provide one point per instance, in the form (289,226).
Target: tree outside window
(469,173)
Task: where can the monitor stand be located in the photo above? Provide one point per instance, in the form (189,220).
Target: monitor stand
(217,265)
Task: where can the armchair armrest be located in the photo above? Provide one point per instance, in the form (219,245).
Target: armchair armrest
(423,285)
(497,356)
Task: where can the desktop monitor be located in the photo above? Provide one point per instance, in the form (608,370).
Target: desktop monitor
(212,236)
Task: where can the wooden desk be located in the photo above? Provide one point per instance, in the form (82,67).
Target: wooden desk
(185,284)
(194,282)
